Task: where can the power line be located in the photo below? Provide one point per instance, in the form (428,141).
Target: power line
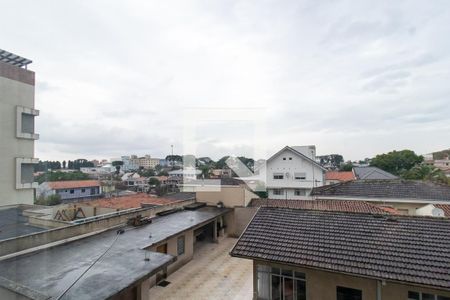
(119,232)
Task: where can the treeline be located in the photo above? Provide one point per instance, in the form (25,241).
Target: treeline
(44,166)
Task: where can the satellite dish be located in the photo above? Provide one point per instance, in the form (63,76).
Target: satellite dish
(287,174)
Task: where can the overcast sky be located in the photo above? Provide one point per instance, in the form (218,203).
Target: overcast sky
(121,77)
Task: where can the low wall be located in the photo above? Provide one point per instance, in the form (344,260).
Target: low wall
(38,239)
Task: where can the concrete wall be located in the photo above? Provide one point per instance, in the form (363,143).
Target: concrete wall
(238,220)
(322,285)
(6,294)
(172,249)
(34,240)
(231,196)
(16,89)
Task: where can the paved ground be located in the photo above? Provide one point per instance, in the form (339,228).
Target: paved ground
(212,274)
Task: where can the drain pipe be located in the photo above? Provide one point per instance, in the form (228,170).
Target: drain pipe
(379,284)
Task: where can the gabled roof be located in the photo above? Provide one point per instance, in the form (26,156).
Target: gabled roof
(72,184)
(327,205)
(297,153)
(385,189)
(413,250)
(372,173)
(341,176)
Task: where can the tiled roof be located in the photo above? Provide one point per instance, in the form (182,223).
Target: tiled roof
(329,205)
(72,184)
(387,189)
(125,202)
(372,173)
(414,250)
(341,176)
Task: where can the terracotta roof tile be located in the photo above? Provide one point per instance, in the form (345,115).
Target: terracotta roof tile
(126,202)
(72,184)
(328,205)
(341,176)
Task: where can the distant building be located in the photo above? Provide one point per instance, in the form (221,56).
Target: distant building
(71,190)
(311,254)
(17,131)
(221,173)
(186,173)
(293,172)
(371,173)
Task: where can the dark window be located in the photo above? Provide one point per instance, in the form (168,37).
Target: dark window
(83,190)
(278,176)
(284,158)
(413,296)
(427,297)
(300,287)
(72,191)
(290,158)
(278,192)
(300,176)
(276,288)
(343,293)
(180,245)
(443,298)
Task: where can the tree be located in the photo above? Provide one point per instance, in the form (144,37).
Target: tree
(60,176)
(117,164)
(54,199)
(64,164)
(331,161)
(424,172)
(396,162)
(154,182)
(348,166)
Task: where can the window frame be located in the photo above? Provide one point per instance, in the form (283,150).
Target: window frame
(297,176)
(20,110)
(278,192)
(19,162)
(282,275)
(183,239)
(278,176)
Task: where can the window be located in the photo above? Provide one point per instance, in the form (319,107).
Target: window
(25,123)
(425,296)
(24,173)
(290,158)
(180,245)
(278,176)
(278,192)
(299,192)
(72,191)
(282,284)
(344,293)
(284,158)
(83,190)
(300,176)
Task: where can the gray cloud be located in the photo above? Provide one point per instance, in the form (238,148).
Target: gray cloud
(352,77)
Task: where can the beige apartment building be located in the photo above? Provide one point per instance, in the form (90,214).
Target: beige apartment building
(17,132)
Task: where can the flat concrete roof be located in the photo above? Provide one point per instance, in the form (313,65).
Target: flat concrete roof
(48,273)
(14,224)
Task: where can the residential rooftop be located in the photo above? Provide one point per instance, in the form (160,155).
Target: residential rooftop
(72,184)
(385,189)
(14,224)
(341,176)
(47,273)
(372,173)
(129,201)
(413,250)
(327,205)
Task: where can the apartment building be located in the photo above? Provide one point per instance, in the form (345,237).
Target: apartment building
(17,132)
(293,172)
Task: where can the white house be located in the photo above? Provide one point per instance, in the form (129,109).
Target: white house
(186,173)
(293,172)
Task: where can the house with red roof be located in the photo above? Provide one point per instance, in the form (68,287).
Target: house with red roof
(72,190)
(332,177)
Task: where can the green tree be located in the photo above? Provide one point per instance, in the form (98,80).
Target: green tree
(348,166)
(61,176)
(54,199)
(424,172)
(396,162)
(117,164)
(154,182)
